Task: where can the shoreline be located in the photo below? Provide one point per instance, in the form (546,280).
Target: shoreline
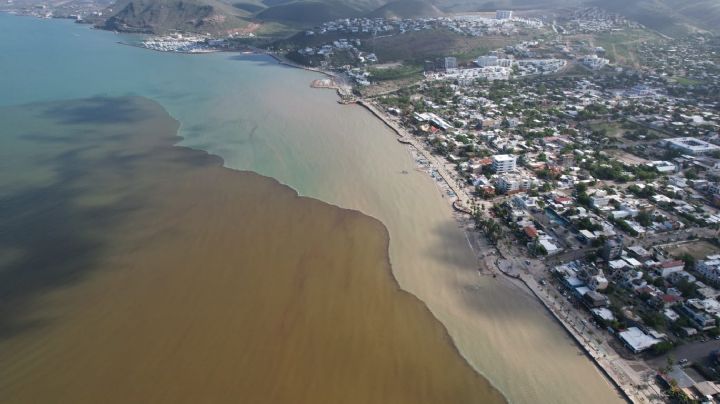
(438,166)
(387,239)
(518,280)
(457,205)
(413,149)
(434,271)
(458,372)
(604,367)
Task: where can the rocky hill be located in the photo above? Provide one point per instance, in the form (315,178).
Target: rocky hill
(406,9)
(671,17)
(308,12)
(162,16)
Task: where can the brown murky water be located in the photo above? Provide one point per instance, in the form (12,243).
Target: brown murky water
(134,271)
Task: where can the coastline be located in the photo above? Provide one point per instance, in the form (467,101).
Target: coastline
(461,216)
(604,366)
(429,253)
(338,305)
(607,369)
(526,282)
(342,91)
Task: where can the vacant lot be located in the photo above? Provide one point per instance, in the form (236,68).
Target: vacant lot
(421,45)
(612,129)
(627,158)
(621,47)
(698,249)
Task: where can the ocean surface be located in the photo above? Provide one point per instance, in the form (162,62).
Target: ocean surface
(141,272)
(263,117)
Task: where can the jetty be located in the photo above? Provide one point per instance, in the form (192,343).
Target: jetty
(328,82)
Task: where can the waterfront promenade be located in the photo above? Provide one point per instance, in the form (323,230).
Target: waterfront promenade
(616,369)
(464,202)
(610,363)
(631,378)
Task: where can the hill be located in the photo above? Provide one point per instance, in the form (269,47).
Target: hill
(704,14)
(492,5)
(249,7)
(406,9)
(671,17)
(307,12)
(161,16)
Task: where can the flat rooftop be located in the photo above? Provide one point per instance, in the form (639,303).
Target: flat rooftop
(691,143)
(637,339)
(504,157)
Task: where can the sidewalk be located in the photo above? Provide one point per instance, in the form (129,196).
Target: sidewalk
(615,368)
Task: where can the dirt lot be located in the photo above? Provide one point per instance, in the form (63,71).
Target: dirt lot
(627,158)
(698,249)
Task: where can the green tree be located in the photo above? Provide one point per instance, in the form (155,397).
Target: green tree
(689,261)
(662,347)
(644,218)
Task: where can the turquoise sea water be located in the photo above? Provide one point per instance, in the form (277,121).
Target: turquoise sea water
(220,99)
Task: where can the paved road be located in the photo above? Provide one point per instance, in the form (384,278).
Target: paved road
(628,374)
(693,352)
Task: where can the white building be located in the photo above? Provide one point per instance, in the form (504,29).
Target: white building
(451,63)
(548,244)
(594,62)
(433,119)
(666,268)
(487,61)
(637,340)
(503,163)
(525,202)
(510,183)
(663,166)
(503,14)
(690,145)
(598,282)
(599,201)
(710,269)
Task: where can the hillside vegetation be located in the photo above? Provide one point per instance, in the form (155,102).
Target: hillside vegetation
(492,5)
(671,17)
(307,12)
(417,47)
(161,16)
(406,9)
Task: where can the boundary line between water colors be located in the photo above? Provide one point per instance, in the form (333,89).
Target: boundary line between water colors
(605,369)
(603,365)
